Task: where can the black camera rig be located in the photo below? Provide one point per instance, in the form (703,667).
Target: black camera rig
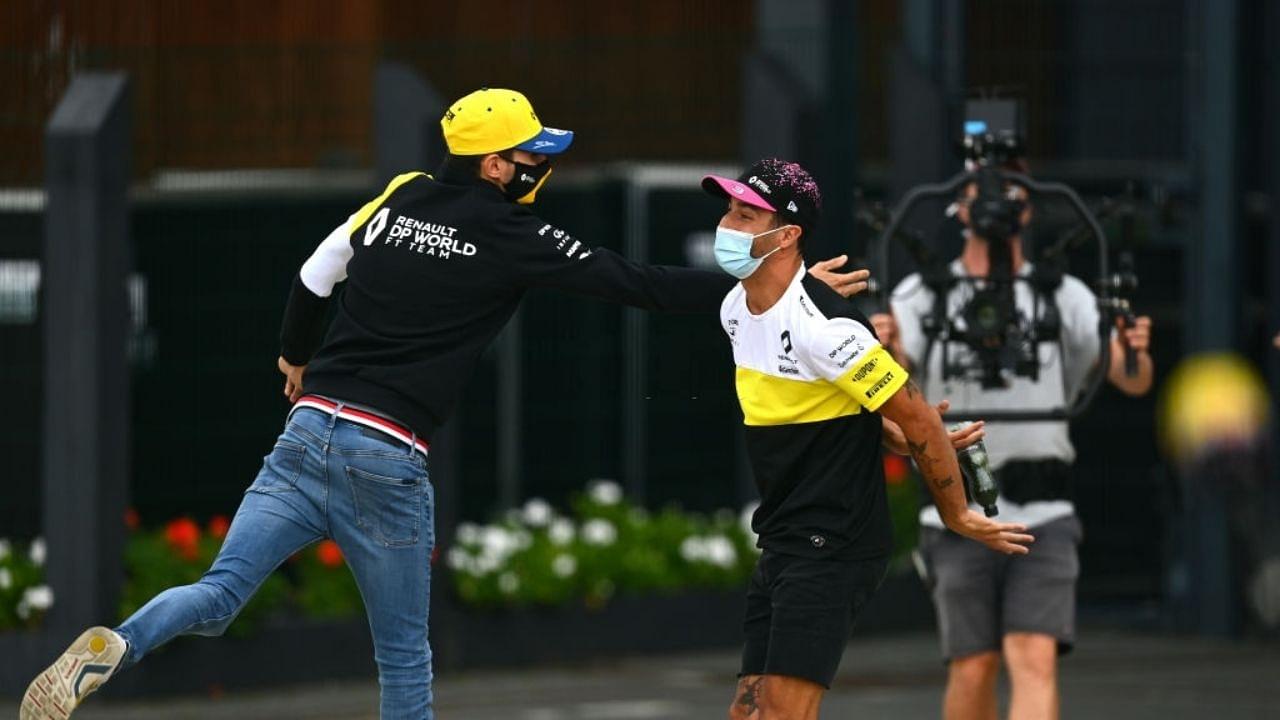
(989,338)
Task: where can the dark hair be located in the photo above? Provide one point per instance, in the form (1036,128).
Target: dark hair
(467,167)
(462,164)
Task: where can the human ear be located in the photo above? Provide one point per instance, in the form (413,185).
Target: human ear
(792,235)
(493,168)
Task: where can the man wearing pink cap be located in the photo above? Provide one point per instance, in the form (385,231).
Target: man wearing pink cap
(814,384)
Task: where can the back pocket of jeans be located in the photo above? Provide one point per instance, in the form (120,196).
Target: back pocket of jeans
(280,469)
(387,509)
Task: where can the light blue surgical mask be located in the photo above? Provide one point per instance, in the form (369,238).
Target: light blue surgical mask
(733,251)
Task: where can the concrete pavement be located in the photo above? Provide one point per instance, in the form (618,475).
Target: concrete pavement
(1111,675)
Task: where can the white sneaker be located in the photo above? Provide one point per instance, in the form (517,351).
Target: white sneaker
(83,668)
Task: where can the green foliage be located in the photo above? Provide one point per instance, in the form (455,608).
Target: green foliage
(536,556)
(533,556)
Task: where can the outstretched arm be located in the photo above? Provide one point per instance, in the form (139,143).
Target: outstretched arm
(930,446)
(546,256)
(845,352)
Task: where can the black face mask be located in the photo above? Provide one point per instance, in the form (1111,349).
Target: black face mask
(526,181)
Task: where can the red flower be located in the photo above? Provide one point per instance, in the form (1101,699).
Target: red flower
(131,519)
(183,535)
(218,525)
(895,468)
(329,553)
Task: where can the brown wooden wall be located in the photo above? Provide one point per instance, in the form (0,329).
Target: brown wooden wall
(285,83)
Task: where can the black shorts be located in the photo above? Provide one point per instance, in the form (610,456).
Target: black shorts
(800,612)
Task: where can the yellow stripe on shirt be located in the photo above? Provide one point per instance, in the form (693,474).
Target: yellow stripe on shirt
(362,216)
(874,380)
(771,400)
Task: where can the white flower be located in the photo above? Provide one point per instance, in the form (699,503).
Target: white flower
(457,559)
(6,579)
(497,545)
(564,565)
(693,549)
(561,532)
(6,549)
(537,512)
(38,551)
(468,533)
(720,551)
(522,539)
(485,564)
(508,583)
(605,492)
(39,597)
(496,540)
(715,549)
(599,532)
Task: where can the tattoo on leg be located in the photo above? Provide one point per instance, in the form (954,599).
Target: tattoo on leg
(749,700)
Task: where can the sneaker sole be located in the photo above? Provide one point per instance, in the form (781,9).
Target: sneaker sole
(83,668)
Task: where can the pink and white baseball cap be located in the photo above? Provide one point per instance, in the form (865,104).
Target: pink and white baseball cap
(774,185)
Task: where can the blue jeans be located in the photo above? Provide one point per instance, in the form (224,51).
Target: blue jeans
(325,478)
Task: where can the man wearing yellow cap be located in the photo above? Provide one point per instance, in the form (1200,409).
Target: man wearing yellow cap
(435,266)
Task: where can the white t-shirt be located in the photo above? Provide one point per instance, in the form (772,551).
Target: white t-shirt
(1063,370)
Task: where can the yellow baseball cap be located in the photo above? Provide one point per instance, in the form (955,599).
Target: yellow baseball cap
(493,119)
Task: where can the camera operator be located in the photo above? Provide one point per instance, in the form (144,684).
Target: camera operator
(989,606)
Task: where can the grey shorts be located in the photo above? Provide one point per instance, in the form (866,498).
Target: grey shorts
(981,595)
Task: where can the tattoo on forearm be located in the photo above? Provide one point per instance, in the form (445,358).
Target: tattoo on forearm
(749,700)
(927,464)
(913,391)
(919,451)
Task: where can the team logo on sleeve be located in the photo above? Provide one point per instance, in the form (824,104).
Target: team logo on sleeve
(565,243)
(871,392)
(865,370)
(374,227)
(854,348)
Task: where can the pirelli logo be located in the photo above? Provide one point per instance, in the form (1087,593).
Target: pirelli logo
(863,371)
(871,391)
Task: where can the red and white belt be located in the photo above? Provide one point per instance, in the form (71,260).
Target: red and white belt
(365,418)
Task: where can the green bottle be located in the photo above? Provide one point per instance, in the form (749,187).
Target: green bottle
(977,470)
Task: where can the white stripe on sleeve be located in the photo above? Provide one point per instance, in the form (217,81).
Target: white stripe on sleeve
(327,266)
